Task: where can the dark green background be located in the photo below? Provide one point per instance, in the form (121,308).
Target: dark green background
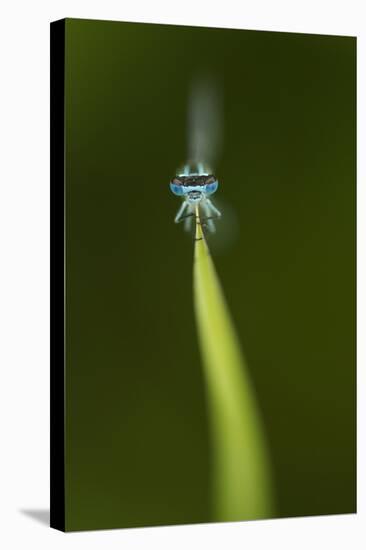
(137,445)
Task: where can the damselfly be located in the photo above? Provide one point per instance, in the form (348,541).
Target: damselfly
(195,184)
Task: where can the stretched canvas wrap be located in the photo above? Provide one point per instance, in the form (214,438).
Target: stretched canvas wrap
(203,187)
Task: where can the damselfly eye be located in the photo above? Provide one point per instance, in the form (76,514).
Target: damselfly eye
(211,187)
(177,189)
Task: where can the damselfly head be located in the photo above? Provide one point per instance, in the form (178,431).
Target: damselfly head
(194,187)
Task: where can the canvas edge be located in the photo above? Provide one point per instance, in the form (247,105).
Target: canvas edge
(57,272)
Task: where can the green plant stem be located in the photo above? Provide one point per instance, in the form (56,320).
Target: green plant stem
(241,485)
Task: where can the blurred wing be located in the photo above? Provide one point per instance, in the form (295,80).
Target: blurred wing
(204,121)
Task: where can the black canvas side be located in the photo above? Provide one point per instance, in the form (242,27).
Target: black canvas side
(57,474)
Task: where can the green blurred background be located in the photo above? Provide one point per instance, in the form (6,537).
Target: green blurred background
(137,442)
